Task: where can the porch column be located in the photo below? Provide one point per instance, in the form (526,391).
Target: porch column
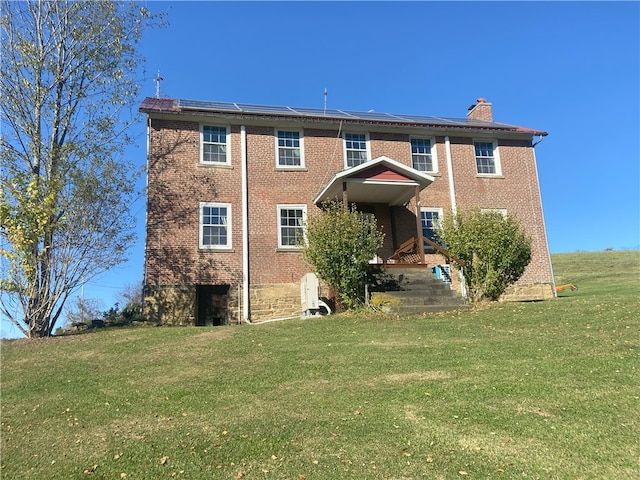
(419,225)
(345,199)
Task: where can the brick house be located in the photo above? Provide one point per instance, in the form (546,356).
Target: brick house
(229,187)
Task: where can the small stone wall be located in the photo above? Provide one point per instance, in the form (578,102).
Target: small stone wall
(280,300)
(528,292)
(170,304)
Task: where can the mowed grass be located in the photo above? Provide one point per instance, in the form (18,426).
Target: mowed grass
(527,390)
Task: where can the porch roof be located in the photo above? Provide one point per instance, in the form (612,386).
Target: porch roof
(382,180)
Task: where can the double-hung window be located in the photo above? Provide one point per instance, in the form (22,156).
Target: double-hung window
(356,149)
(214,145)
(430,218)
(423,155)
(289,150)
(215,225)
(291,220)
(487,160)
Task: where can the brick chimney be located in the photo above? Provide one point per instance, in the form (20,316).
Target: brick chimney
(480,111)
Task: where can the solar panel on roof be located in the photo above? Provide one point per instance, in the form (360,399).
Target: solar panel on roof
(312,111)
(317,112)
(263,109)
(225,106)
(336,114)
(372,116)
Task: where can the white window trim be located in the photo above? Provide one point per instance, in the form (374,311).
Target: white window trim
(214,164)
(434,152)
(344,146)
(496,157)
(289,167)
(229,244)
(289,206)
(501,211)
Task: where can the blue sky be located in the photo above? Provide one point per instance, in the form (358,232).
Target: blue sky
(569,68)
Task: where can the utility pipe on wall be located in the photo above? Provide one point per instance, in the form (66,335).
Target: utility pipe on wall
(454,206)
(452,189)
(245,227)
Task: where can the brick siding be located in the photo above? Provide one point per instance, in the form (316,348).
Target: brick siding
(178,183)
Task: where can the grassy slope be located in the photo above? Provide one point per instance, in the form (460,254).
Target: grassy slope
(531,390)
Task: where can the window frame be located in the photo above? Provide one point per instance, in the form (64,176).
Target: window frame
(300,132)
(201,226)
(367,148)
(433,153)
(496,158)
(501,211)
(440,212)
(227,143)
(290,206)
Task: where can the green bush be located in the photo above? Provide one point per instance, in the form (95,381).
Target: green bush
(495,248)
(339,245)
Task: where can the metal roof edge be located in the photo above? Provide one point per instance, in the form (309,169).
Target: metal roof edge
(153,104)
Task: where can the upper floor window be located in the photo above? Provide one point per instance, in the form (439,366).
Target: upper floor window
(214,145)
(487,160)
(291,220)
(430,218)
(289,149)
(215,225)
(423,155)
(356,149)
(501,211)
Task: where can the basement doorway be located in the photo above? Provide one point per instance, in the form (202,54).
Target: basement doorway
(211,304)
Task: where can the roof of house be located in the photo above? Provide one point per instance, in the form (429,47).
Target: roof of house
(170,105)
(382,178)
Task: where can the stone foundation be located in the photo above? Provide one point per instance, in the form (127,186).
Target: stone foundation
(274,301)
(170,304)
(177,304)
(528,292)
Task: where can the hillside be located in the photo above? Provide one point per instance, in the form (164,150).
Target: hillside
(528,390)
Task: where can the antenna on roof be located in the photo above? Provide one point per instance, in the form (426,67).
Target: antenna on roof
(325,100)
(158,80)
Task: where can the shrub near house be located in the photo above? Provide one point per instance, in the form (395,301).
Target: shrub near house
(494,247)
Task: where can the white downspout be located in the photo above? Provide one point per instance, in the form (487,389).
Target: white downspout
(452,189)
(454,206)
(146,213)
(245,227)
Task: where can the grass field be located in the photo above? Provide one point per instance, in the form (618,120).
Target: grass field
(527,390)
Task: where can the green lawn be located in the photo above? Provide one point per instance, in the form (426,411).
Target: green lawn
(527,390)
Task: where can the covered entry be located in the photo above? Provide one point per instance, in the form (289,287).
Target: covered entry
(383,183)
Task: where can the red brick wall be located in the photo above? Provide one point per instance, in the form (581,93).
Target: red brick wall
(177,183)
(516,190)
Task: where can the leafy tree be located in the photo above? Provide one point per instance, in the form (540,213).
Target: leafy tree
(495,248)
(68,79)
(339,245)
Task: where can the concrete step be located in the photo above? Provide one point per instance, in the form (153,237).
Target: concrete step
(418,309)
(413,291)
(419,295)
